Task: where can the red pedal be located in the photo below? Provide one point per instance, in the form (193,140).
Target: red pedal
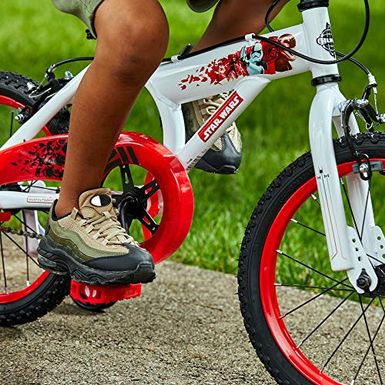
(103,295)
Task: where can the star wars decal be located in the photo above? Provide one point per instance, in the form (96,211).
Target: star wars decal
(220,116)
(325,40)
(260,58)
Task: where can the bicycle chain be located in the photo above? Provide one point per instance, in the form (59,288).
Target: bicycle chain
(22,233)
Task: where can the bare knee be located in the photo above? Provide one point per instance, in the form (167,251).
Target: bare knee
(133,40)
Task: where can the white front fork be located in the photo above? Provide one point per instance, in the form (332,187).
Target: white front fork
(348,250)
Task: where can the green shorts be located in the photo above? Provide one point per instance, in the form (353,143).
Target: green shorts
(85,9)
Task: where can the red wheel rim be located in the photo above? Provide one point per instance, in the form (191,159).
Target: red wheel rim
(6,101)
(20,294)
(268,291)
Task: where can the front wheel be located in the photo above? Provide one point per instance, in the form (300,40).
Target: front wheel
(306,322)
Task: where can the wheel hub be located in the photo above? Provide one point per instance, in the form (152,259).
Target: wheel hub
(380,289)
(131,205)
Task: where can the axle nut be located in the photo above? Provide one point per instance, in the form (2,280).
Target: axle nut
(364,281)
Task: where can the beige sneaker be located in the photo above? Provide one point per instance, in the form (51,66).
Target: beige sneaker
(91,246)
(225,155)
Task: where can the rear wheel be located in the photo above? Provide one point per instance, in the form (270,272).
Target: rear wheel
(26,291)
(306,322)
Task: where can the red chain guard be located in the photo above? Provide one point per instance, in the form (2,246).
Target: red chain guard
(44,158)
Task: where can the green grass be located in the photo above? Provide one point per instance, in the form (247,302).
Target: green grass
(274,129)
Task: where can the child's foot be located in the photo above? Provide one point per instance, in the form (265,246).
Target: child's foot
(225,155)
(91,246)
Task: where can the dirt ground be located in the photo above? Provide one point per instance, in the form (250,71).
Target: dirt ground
(185,329)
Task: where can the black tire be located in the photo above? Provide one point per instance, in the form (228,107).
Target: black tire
(15,86)
(28,309)
(53,289)
(254,242)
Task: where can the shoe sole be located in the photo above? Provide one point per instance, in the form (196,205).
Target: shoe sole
(58,261)
(224,169)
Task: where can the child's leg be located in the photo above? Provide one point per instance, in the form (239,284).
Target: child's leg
(132,39)
(234,18)
(90,244)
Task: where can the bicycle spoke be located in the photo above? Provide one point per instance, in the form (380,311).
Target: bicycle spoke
(374,337)
(312,299)
(368,349)
(27,261)
(24,251)
(310,268)
(346,336)
(325,319)
(50,189)
(278,284)
(371,346)
(3,263)
(350,208)
(24,224)
(11,124)
(365,210)
(307,227)
(30,185)
(315,199)
(354,219)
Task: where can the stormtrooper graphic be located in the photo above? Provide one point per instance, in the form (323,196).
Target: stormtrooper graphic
(253,60)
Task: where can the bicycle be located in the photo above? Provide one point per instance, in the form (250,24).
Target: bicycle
(334,180)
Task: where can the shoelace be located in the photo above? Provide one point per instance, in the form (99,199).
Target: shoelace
(110,228)
(212,104)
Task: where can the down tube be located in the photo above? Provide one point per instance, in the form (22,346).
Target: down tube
(33,126)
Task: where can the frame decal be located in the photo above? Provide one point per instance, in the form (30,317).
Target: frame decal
(260,58)
(325,40)
(223,113)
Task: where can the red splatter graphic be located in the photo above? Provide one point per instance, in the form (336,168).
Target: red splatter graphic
(261,58)
(44,159)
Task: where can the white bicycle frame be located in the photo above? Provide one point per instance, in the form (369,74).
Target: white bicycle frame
(347,250)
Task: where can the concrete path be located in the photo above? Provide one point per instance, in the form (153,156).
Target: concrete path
(185,329)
